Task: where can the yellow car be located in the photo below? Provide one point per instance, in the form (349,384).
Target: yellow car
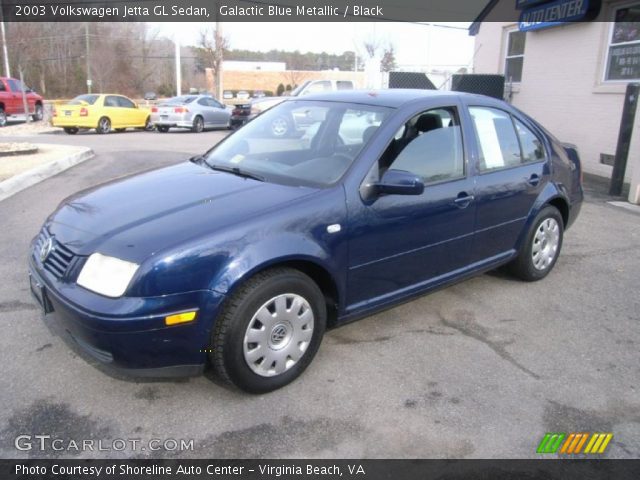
(101,111)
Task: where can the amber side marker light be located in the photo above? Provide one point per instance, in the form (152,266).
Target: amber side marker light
(180,318)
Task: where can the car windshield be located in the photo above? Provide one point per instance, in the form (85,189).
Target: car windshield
(180,100)
(296,91)
(84,100)
(308,143)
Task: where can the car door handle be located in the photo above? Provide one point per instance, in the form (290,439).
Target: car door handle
(533,180)
(463,200)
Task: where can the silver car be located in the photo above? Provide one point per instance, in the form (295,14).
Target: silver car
(195,112)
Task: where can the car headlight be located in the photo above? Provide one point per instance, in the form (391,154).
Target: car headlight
(107,276)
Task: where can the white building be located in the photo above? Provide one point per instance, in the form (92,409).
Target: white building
(571,77)
(246,66)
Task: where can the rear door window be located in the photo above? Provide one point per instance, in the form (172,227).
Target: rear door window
(498,143)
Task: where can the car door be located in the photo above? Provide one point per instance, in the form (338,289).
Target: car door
(403,242)
(512,171)
(131,115)
(113,110)
(15,103)
(219,112)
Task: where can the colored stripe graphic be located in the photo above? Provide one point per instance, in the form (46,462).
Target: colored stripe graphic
(551,442)
(598,443)
(573,443)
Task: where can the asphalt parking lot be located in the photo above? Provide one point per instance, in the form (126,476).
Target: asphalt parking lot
(482,369)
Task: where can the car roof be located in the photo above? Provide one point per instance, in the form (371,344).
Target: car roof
(393,97)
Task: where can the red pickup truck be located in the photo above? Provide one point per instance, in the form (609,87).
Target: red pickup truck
(11,102)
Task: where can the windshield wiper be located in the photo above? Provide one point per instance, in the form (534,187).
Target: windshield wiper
(236,171)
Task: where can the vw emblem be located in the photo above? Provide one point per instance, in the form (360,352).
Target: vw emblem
(46,249)
(278,334)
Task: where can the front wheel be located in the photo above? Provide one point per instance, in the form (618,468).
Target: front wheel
(38,114)
(3,118)
(542,246)
(269,331)
(148,125)
(104,125)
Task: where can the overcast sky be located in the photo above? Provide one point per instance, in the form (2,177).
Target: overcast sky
(415,44)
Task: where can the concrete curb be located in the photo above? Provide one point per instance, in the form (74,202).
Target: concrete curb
(19,182)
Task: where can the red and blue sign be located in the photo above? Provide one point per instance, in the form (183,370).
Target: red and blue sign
(536,15)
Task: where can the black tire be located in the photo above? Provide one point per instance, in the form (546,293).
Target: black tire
(162,129)
(39,113)
(227,353)
(3,118)
(71,130)
(547,231)
(148,126)
(104,125)
(198,124)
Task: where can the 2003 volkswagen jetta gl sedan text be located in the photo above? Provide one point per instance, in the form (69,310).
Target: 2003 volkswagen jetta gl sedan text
(240,258)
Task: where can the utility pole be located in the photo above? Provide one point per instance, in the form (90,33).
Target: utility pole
(7,70)
(25,104)
(219,47)
(178,69)
(86,41)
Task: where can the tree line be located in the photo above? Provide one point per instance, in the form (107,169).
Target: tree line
(131,58)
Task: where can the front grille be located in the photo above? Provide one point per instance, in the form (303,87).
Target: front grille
(60,257)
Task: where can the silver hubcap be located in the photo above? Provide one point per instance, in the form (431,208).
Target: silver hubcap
(545,244)
(104,125)
(278,335)
(279,127)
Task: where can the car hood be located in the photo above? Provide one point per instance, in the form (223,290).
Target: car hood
(135,217)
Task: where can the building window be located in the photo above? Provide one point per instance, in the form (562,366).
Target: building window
(514,58)
(623,61)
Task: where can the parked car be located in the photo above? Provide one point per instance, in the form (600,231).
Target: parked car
(227,95)
(150,96)
(12,103)
(243,95)
(195,112)
(103,111)
(240,114)
(283,126)
(259,94)
(243,256)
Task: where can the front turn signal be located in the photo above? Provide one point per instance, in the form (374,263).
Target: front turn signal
(180,318)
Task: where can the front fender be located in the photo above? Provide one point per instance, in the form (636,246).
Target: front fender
(326,251)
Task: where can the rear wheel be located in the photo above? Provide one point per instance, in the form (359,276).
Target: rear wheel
(148,126)
(198,125)
(104,125)
(162,129)
(3,117)
(542,246)
(71,130)
(269,331)
(38,114)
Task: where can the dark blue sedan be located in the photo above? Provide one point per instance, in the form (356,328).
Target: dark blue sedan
(240,258)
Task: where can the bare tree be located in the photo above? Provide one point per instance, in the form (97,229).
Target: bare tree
(295,77)
(213,46)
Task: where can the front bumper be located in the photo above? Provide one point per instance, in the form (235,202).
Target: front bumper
(128,335)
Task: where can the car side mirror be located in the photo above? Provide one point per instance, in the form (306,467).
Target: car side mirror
(399,182)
